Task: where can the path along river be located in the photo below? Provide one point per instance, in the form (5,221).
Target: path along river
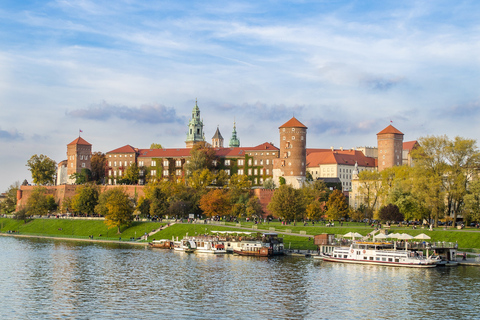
(47,279)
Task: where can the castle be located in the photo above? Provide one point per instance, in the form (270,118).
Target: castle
(291,161)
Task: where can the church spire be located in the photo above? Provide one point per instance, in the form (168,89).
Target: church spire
(234,142)
(195,128)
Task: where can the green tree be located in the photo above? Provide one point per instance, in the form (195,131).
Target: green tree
(370,188)
(472,202)
(10,203)
(85,199)
(254,208)
(115,205)
(98,164)
(156,146)
(39,202)
(82,177)
(201,157)
(337,207)
(287,203)
(21,214)
(158,202)
(43,169)
(131,175)
(269,184)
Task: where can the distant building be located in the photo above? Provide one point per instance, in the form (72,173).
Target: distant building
(390,148)
(79,154)
(339,164)
(217,139)
(234,142)
(195,128)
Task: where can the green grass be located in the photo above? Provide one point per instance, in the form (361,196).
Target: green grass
(467,238)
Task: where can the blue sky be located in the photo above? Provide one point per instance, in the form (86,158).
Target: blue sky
(128,72)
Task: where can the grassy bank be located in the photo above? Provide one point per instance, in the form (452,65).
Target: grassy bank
(82,229)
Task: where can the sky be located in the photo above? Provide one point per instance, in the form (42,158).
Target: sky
(129,72)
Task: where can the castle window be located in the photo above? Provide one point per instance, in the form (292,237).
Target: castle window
(240,171)
(240,162)
(178,172)
(255,162)
(249,162)
(261,162)
(249,172)
(153,172)
(284,138)
(114,163)
(140,163)
(255,172)
(293,129)
(109,163)
(178,163)
(198,131)
(267,171)
(227,171)
(302,137)
(109,172)
(227,162)
(165,173)
(154,163)
(165,163)
(125,163)
(267,162)
(83,165)
(120,156)
(293,137)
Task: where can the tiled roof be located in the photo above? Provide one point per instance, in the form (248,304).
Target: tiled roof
(125,149)
(81,141)
(390,129)
(293,123)
(217,135)
(347,157)
(410,145)
(263,146)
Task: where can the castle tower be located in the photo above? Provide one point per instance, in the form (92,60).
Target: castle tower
(195,128)
(217,139)
(79,154)
(234,142)
(291,164)
(390,148)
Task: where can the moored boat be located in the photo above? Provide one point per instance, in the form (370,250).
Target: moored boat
(374,253)
(269,244)
(185,245)
(161,244)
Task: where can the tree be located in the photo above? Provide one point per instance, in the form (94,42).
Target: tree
(287,203)
(390,212)
(39,202)
(85,199)
(370,187)
(43,169)
(158,202)
(156,146)
(82,177)
(116,207)
(337,207)
(472,202)
(10,203)
(254,208)
(98,164)
(269,184)
(215,203)
(131,175)
(314,211)
(21,214)
(201,157)
(200,179)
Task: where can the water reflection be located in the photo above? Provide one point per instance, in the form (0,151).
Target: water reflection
(44,279)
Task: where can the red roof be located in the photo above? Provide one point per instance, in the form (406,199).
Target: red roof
(164,153)
(125,149)
(293,123)
(347,157)
(263,146)
(79,140)
(390,129)
(410,145)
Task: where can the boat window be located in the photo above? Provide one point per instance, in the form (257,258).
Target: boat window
(384,259)
(364,258)
(377,258)
(390,259)
(397,260)
(345,256)
(371,258)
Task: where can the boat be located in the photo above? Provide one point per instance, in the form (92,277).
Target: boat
(266,245)
(185,245)
(376,254)
(207,244)
(161,244)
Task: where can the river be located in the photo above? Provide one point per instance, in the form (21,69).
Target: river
(47,279)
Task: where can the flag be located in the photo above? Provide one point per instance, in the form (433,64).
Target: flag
(80,130)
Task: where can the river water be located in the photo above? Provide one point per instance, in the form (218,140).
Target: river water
(47,279)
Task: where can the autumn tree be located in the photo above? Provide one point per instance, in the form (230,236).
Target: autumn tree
(98,164)
(40,203)
(215,203)
(472,201)
(131,175)
(201,157)
(337,207)
(82,177)
(85,199)
(201,179)
(115,205)
(43,169)
(287,203)
(314,210)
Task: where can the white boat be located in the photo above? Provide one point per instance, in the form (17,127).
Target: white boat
(185,245)
(208,244)
(374,253)
(266,245)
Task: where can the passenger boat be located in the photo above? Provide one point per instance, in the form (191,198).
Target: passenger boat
(161,244)
(185,245)
(269,244)
(375,253)
(207,244)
